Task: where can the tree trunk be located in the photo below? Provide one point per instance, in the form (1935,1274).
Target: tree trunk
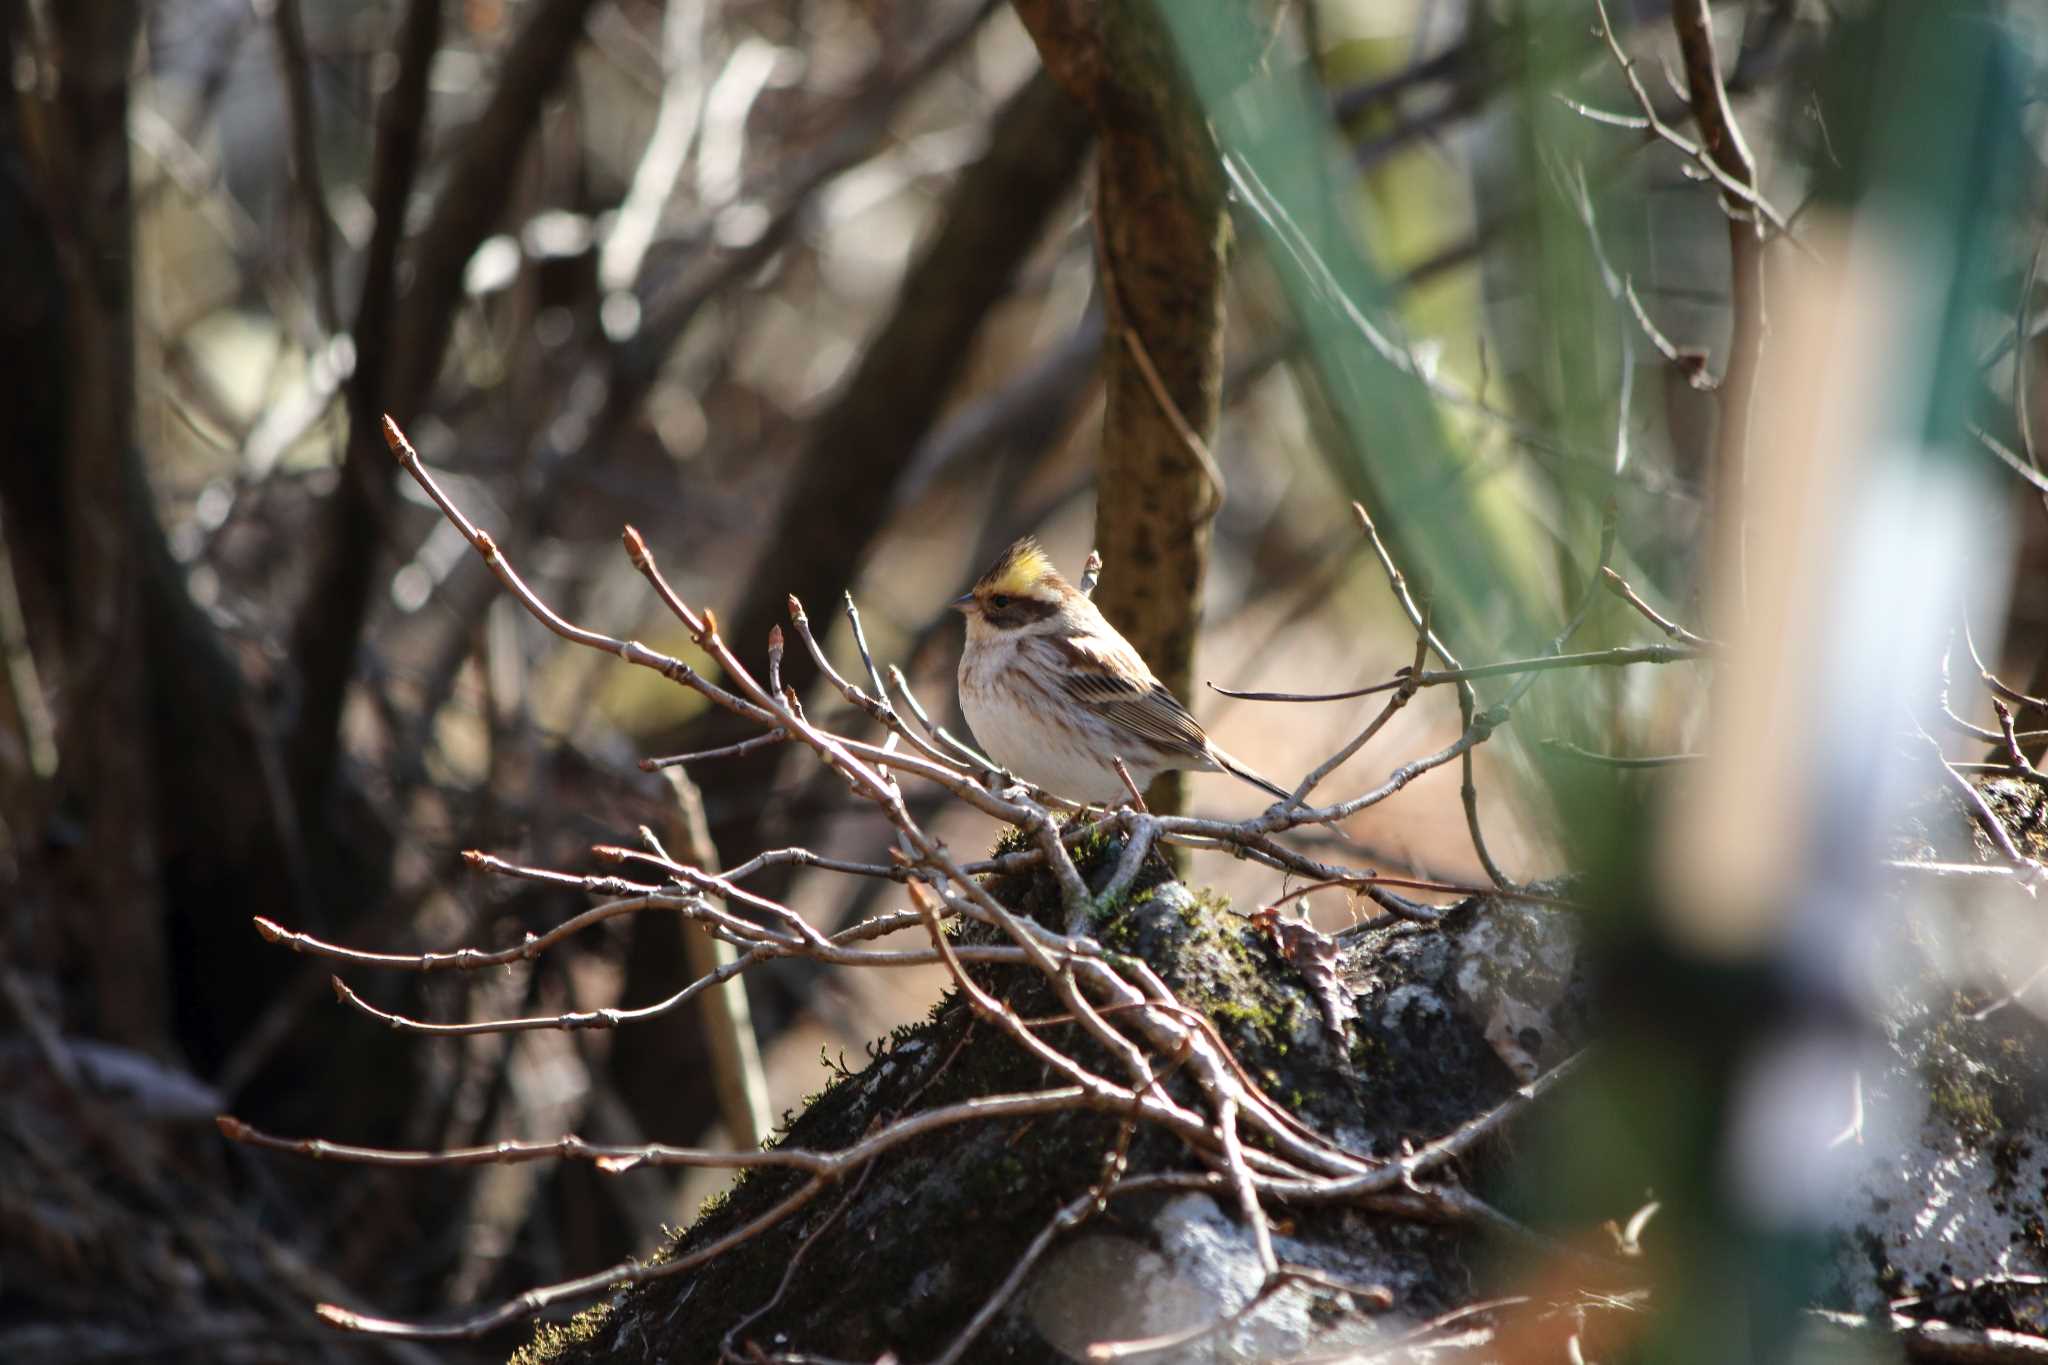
(1163,235)
(108,767)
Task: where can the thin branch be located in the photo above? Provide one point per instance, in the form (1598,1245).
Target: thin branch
(2011,461)
(1687,360)
(535,1301)
(1482,729)
(860,641)
(1941,869)
(1694,22)
(1618,657)
(1986,819)
(472,959)
(1992,680)
(1570,750)
(2013,752)
(1619,586)
(1462,1139)
(745,746)
(961,750)
(1731,186)
(611,1159)
(1189,437)
(295,61)
(2022,399)
(631,651)
(875,704)
(1420,884)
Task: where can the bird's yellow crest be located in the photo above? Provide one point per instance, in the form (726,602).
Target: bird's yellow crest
(1021,568)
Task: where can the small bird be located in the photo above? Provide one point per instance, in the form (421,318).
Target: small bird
(1054,693)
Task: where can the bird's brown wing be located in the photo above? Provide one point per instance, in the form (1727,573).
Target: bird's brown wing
(1109,677)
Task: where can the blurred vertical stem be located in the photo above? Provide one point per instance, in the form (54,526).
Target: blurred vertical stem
(1162,238)
(1722,137)
(106,768)
(736,1071)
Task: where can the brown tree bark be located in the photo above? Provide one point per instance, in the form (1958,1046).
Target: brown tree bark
(1163,237)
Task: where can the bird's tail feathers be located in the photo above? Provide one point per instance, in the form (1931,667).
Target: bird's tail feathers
(1242,773)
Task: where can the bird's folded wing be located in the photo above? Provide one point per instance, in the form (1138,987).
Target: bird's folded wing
(1112,680)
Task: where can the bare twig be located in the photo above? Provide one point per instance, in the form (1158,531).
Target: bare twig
(589,1286)
(1619,586)
(1571,750)
(1619,657)
(875,704)
(1986,819)
(1468,702)
(2007,458)
(1991,680)
(1651,121)
(745,746)
(296,63)
(2013,752)
(2023,324)
(961,751)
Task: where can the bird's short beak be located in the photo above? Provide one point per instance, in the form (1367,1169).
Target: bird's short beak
(964,602)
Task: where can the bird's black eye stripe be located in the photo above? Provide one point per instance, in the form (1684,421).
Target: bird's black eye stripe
(999,601)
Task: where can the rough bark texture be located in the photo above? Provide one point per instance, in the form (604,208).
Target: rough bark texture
(1163,235)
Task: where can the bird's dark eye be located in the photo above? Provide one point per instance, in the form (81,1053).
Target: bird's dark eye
(999,601)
